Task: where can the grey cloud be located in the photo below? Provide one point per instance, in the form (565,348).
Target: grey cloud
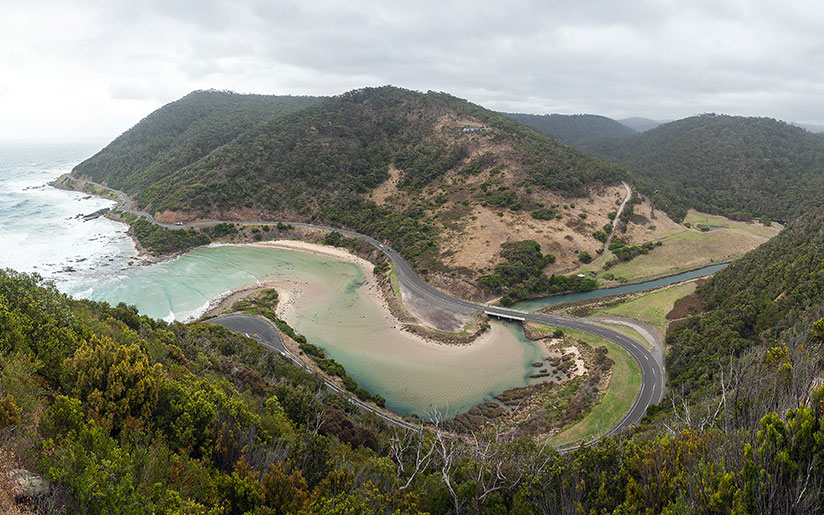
(653,58)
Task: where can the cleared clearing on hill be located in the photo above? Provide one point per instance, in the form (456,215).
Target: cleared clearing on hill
(689,248)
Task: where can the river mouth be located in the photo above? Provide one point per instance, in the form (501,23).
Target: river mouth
(336,306)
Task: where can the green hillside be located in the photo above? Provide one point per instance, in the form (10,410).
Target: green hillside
(324,163)
(124,414)
(578,130)
(740,167)
(756,299)
(180,133)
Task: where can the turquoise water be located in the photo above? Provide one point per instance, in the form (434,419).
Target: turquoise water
(536,304)
(182,288)
(91,259)
(332,308)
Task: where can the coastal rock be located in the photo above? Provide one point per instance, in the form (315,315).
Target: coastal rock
(92,216)
(27,485)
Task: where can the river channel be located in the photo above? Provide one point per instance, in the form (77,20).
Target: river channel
(536,304)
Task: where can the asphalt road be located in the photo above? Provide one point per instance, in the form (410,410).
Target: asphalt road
(652,373)
(255,327)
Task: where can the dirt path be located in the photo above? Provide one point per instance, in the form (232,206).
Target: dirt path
(614,225)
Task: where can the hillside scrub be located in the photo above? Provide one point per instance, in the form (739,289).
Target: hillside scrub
(742,168)
(753,300)
(180,133)
(229,427)
(520,276)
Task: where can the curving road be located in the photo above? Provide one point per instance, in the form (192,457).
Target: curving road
(652,373)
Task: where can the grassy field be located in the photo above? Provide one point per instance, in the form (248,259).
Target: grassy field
(695,218)
(652,307)
(396,285)
(689,248)
(620,395)
(629,331)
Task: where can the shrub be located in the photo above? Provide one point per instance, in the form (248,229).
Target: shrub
(115,380)
(543,214)
(9,412)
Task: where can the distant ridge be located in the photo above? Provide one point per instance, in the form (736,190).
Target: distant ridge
(736,166)
(638,124)
(818,129)
(579,130)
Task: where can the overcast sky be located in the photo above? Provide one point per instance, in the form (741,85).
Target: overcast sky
(92,69)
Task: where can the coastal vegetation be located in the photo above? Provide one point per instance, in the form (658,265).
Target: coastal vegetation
(65,182)
(207,421)
(123,413)
(333,158)
(521,274)
(754,300)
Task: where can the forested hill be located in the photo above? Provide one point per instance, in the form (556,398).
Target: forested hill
(754,300)
(579,130)
(182,132)
(396,164)
(345,142)
(735,166)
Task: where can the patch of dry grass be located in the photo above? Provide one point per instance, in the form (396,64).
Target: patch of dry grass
(689,248)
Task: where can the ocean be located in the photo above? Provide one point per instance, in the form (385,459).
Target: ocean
(41,228)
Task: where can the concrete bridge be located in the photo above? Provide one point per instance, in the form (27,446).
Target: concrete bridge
(505,315)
